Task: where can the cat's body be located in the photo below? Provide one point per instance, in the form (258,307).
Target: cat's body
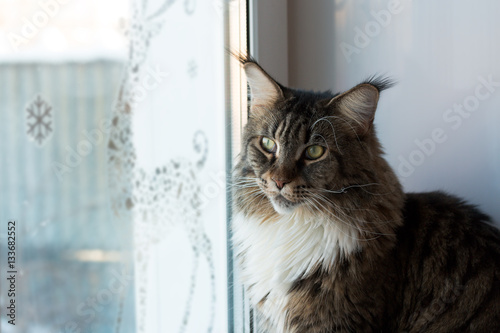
(327,240)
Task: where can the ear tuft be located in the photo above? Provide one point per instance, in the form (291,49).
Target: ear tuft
(243,58)
(380,82)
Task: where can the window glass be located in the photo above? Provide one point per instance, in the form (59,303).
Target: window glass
(113,166)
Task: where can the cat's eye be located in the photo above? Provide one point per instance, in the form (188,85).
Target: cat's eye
(268,145)
(314,152)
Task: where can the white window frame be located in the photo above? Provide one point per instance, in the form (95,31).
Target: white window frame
(262,28)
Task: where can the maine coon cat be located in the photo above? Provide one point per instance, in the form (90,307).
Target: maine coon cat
(325,237)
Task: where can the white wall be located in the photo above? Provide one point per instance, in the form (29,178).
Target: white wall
(440,52)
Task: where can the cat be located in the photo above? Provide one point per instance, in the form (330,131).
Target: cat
(327,241)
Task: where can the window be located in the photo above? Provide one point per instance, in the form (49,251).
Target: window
(116,141)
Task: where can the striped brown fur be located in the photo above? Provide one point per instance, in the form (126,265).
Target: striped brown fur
(333,244)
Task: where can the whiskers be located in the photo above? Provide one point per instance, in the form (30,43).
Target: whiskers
(243,182)
(347,214)
(344,189)
(350,218)
(247,193)
(333,130)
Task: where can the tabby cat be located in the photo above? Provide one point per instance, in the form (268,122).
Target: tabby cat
(326,239)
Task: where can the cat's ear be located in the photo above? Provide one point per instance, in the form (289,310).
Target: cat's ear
(264,91)
(360,103)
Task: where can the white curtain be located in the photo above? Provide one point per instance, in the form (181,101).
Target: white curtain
(168,143)
(113,165)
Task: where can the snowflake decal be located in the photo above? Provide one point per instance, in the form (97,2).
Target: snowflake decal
(39,120)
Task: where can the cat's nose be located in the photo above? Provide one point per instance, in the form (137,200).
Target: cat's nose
(280,183)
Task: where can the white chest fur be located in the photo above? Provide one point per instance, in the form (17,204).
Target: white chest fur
(275,253)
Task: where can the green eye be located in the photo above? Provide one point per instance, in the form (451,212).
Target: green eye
(314,152)
(268,145)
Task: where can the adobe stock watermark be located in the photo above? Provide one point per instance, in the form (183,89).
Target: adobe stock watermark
(373,28)
(213,189)
(454,117)
(151,79)
(89,309)
(223,6)
(31,26)
(74,156)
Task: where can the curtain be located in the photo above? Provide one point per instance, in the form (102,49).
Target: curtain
(113,167)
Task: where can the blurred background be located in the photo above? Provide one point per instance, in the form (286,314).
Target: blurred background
(113,165)
(120,120)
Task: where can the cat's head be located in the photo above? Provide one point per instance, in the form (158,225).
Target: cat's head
(310,150)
